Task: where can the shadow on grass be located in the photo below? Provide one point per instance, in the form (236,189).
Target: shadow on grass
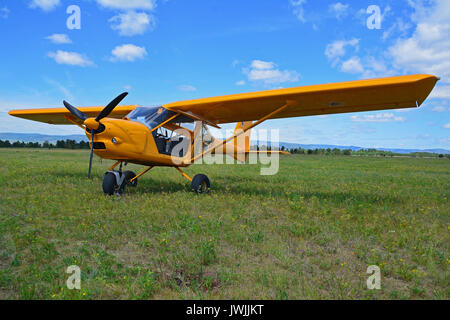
(250,186)
(158,186)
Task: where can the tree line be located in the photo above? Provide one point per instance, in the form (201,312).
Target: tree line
(362,152)
(335,151)
(60,144)
(72,144)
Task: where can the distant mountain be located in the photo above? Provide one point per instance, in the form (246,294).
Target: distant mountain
(288,145)
(440,151)
(36,137)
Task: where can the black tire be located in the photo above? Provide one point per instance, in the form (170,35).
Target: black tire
(128,176)
(109,183)
(200,184)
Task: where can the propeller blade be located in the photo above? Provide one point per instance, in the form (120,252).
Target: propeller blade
(77,113)
(110,107)
(92,153)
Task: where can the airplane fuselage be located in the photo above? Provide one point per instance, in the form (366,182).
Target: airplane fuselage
(133,142)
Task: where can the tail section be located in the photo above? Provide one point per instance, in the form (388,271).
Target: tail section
(239,148)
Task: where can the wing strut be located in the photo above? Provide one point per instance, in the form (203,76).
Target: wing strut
(234,136)
(163,123)
(140,174)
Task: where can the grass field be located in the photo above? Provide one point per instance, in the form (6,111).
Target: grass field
(309,232)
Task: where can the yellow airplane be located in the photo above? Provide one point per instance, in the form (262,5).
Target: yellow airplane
(160,136)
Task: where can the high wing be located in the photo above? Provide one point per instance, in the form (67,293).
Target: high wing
(61,115)
(354,96)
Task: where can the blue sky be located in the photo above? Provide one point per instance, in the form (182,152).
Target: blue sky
(164,51)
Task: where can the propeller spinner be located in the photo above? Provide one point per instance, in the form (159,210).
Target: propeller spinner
(94,123)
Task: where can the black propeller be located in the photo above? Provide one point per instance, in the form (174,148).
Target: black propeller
(104,113)
(110,107)
(77,113)
(92,154)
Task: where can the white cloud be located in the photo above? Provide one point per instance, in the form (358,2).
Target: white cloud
(262,65)
(4,12)
(439,109)
(447,126)
(361,16)
(187,87)
(374,68)
(339,10)
(128,52)
(46,5)
(240,83)
(266,72)
(377,66)
(298,9)
(66,92)
(428,49)
(128,4)
(380,117)
(70,58)
(337,48)
(132,23)
(386,12)
(352,65)
(59,38)
(367,67)
(399,27)
(440,92)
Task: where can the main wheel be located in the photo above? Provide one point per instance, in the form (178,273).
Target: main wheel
(110,184)
(128,176)
(200,184)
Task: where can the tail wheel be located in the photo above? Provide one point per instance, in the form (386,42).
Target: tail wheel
(200,184)
(128,176)
(109,184)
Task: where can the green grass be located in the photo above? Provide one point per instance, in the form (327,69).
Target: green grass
(309,232)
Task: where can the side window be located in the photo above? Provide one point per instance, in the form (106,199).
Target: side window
(172,139)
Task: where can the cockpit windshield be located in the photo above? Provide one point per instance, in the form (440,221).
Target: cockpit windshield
(166,136)
(150,116)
